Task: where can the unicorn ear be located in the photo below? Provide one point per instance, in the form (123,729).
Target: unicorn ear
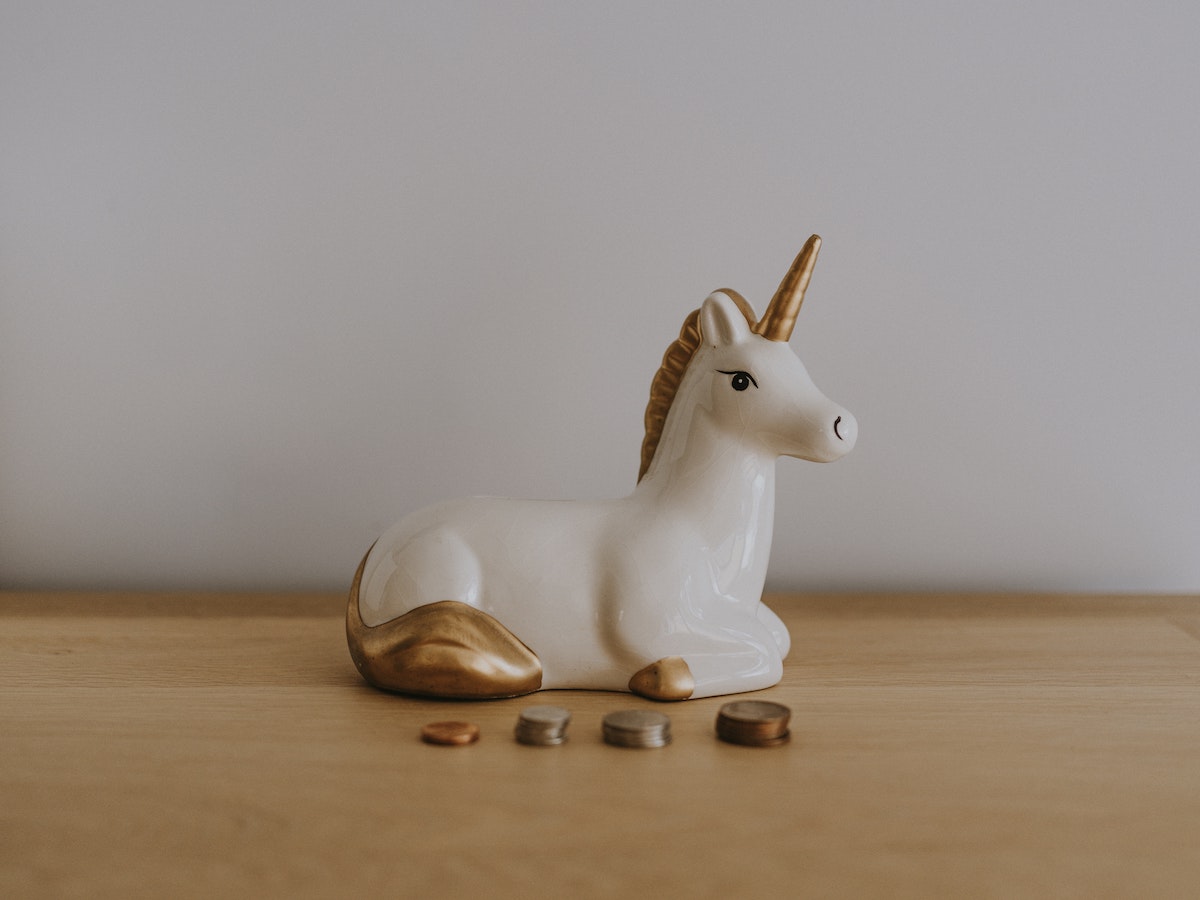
(722,322)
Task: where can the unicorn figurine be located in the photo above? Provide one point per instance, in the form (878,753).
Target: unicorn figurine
(658,593)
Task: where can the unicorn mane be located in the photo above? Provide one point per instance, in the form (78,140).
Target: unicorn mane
(666,380)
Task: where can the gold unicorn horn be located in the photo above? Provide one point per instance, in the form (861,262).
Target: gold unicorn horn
(780,318)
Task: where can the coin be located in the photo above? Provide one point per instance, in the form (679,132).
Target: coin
(542,725)
(754,723)
(450,734)
(637,728)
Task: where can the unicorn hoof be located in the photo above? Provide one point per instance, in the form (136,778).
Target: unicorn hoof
(668,679)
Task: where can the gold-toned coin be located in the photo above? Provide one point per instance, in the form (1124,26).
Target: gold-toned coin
(754,723)
(450,734)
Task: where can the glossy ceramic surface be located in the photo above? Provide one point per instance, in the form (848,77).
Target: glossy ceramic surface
(658,592)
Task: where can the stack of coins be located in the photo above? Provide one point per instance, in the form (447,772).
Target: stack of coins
(754,723)
(637,728)
(450,734)
(542,726)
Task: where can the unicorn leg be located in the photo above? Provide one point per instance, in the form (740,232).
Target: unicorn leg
(734,670)
(778,630)
(444,649)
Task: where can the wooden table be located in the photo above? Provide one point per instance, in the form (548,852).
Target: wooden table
(944,746)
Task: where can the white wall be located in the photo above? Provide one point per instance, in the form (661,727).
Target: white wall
(272,275)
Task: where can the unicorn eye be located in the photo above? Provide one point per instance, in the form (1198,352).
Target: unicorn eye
(740,380)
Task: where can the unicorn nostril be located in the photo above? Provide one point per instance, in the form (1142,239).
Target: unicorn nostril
(836,433)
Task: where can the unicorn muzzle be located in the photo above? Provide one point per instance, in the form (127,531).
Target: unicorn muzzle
(833,438)
(845,430)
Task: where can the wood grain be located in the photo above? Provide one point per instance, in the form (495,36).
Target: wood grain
(982,746)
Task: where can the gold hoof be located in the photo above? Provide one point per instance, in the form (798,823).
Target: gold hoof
(668,679)
(446,649)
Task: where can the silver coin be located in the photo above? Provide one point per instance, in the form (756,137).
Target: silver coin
(545,715)
(637,728)
(542,725)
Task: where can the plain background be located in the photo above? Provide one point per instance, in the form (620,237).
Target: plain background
(273,275)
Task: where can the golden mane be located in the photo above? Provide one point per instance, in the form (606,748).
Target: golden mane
(674,363)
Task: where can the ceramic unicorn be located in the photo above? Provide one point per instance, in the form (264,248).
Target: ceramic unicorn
(658,593)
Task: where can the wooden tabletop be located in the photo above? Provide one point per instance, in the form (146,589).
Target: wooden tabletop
(943,746)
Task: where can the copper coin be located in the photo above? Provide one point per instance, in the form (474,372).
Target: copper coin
(450,734)
(754,723)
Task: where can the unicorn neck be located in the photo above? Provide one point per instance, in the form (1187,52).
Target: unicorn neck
(724,490)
